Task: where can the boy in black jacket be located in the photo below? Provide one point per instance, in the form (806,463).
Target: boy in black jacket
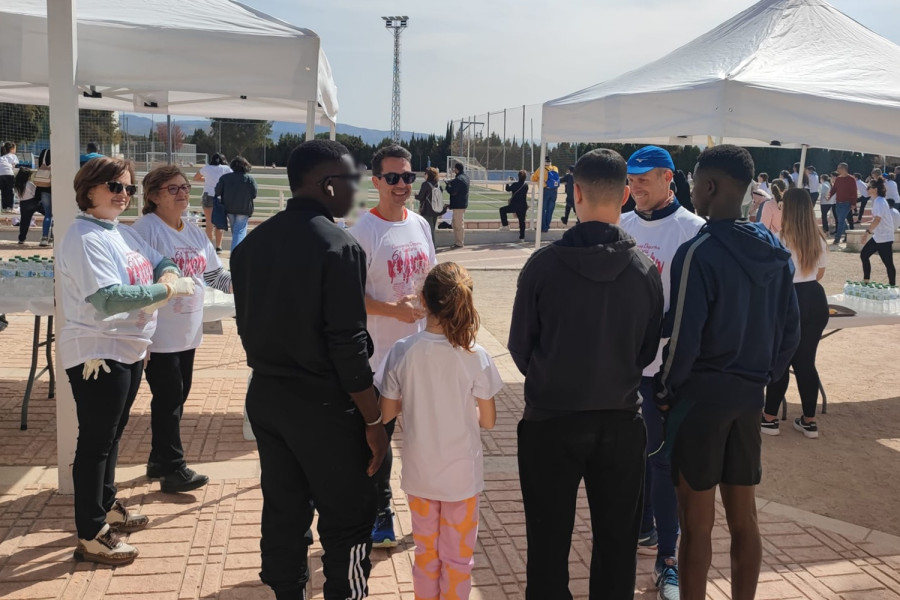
(734,325)
(586,321)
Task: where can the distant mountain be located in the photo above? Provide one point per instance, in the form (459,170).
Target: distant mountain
(135,124)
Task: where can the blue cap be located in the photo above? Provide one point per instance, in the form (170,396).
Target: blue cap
(649,158)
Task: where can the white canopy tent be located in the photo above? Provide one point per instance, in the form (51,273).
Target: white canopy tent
(208,58)
(794,72)
(204,58)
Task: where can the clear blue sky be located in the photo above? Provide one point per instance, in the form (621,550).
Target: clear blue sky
(470,56)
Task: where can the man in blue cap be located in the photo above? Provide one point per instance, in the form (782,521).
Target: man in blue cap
(659,225)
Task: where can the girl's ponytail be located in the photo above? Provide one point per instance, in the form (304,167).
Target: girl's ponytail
(448,296)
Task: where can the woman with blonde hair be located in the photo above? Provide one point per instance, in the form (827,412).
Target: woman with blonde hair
(809,252)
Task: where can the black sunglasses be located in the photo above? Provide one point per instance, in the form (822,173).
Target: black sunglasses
(394,178)
(116,187)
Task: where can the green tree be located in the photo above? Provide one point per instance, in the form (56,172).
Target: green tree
(242,137)
(100,126)
(22,122)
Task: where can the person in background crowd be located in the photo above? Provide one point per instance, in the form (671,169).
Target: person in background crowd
(770,218)
(581,392)
(826,202)
(659,226)
(42,180)
(458,189)
(881,230)
(787,179)
(106,273)
(683,190)
(809,255)
(311,402)
(28,204)
(91,152)
(210,175)
(442,416)
(551,189)
(811,183)
(763,181)
(760,197)
(429,187)
(237,191)
(568,180)
(862,192)
(733,325)
(891,194)
(8,163)
(179,328)
(518,204)
(399,254)
(795,175)
(843,188)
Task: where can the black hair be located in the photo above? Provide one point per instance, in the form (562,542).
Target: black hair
(239,164)
(797,166)
(44,158)
(309,155)
(392,151)
(572,168)
(21,181)
(878,185)
(91,147)
(857,175)
(218,159)
(602,168)
(735,161)
(459,167)
(6,147)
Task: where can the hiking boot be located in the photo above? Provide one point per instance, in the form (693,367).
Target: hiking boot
(503,228)
(666,575)
(44,242)
(807,428)
(182,480)
(106,549)
(383,531)
(124,521)
(648,542)
(769,427)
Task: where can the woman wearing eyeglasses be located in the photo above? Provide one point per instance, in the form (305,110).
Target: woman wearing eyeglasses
(107,274)
(179,329)
(237,191)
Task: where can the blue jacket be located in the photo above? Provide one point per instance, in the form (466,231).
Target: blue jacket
(733,315)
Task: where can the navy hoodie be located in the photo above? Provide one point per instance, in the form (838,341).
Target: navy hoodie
(586,322)
(733,321)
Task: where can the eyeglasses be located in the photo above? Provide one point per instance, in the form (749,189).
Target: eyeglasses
(116,187)
(174,189)
(394,178)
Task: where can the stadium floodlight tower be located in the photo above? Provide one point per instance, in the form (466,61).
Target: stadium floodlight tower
(396,25)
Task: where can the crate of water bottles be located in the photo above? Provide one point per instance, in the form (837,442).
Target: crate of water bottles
(26,277)
(871,297)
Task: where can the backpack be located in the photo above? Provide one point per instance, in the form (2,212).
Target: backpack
(436,202)
(552,179)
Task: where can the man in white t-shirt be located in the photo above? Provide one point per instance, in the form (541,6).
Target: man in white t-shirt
(813,186)
(399,255)
(659,225)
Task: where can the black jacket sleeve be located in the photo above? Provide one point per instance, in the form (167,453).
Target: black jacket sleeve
(525,328)
(650,344)
(344,311)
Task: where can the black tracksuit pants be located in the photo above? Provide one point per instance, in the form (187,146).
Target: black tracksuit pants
(519,211)
(102,406)
(885,252)
(7,191)
(169,375)
(312,447)
(606,449)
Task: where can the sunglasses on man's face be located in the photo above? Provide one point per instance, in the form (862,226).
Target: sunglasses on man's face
(394,178)
(116,187)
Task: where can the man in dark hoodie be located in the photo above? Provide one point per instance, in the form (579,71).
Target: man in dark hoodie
(458,188)
(733,325)
(586,321)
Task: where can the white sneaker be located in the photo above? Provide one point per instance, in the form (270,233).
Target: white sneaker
(123,520)
(44,242)
(503,228)
(106,549)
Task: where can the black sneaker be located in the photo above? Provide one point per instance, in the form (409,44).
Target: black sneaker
(154,470)
(810,430)
(182,480)
(769,427)
(648,543)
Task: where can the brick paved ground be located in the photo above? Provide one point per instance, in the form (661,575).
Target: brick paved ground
(205,544)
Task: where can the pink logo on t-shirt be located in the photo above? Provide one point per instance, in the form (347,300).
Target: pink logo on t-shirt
(408,263)
(190,261)
(648,250)
(140,271)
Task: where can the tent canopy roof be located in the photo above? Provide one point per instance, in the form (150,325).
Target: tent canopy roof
(792,71)
(207,58)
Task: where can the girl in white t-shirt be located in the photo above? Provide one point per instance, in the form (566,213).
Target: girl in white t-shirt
(809,253)
(444,384)
(8,163)
(882,231)
(210,175)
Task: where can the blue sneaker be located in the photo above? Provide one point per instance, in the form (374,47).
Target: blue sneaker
(383,531)
(666,573)
(648,542)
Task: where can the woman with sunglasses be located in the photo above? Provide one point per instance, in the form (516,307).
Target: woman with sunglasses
(179,329)
(107,274)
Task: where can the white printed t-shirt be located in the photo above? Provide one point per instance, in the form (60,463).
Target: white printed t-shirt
(179,324)
(211,175)
(659,239)
(399,255)
(885,231)
(95,255)
(437,385)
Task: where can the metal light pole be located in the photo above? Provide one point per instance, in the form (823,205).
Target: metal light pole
(396,25)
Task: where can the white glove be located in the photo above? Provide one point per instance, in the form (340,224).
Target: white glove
(183,286)
(153,307)
(92,368)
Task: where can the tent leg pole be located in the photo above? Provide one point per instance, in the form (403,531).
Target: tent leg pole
(62,48)
(539,216)
(332,132)
(803,150)
(310,120)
